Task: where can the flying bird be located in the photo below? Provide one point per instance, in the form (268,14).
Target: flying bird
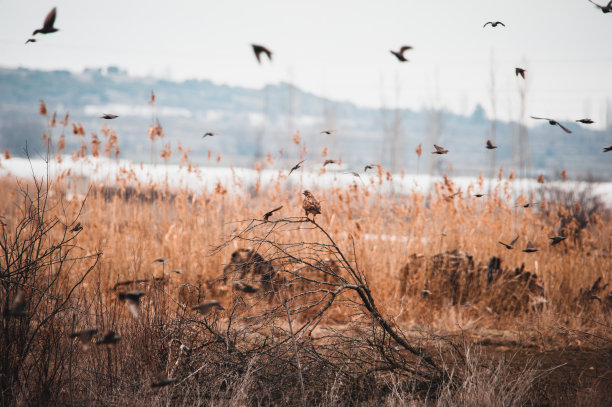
(552,123)
(494,24)
(604,9)
(77,228)
(133,300)
(520,71)
(268,214)
(177,271)
(311,205)
(110,338)
(31,40)
(205,307)
(555,240)
(511,245)
(163,260)
(530,248)
(329,162)
(479,195)
(606,149)
(85,336)
(162,380)
(48,24)
(259,49)
(108,116)
(400,54)
(209,133)
(490,145)
(295,167)
(249,289)
(585,121)
(327,131)
(439,150)
(528,204)
(452,196)
(368,167)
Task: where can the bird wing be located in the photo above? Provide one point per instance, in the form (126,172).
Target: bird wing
(597,5)
(405,48)
(514,241)
(539,118)
(438,148)
(564,128)
(489,144)
(502,24)
(488,22)
(50,19)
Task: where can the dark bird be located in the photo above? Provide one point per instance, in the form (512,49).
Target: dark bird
(327,131)
(530,248)
(490,145)
(163,260)
(329,162)
(606,149)
(494,24)
(205,307)
(585,121)
(258,49)
(268,214)
(209,133)
(479,195)
(133,300)
(108,116)
(295,167)
(177,271)
(452,196)
(520,71)
(368,167)
(85,336)
(18,308)
(48,24)
(528,204)
(249,289)
(511,245)
(110,338)
(604,9)
(400,54)
(77,228)
(552,123)
(162,381)
(310,204)
(31,40)
(556,240)
(439,150)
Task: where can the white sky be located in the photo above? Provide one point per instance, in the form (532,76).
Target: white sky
(339,48)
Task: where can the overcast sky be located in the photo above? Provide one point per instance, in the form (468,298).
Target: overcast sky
(340,49)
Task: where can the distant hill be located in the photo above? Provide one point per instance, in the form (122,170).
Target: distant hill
(252,122)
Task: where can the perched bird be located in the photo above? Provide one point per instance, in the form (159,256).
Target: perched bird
(368,167)
(327,131)
(18,308)
(110,338)
(606,149)
(48,24)
(108,116)
(85,336)
(268,214)
(329,162)
(585,121)
(530,248)
(552,123)
(31,40)
(258,49)
(439,150)
(494,24)
(400,54)
(555,240)
(209,133)
(520,71)
(295,167)
(490,145)
(162,380)
(77,228)
(604,9)
(310,204)
(163,260)
(249,289)
(205,307)
(133,300)
(511,245)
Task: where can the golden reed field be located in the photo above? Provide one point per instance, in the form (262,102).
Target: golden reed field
(383,299)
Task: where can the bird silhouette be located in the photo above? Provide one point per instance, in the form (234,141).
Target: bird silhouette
(604,9)
(268,214)
(31,40)
(490,145)
(327,131)
(110,338)
(511,245)
(494,24)
(552,123)
(85,336)
(205,307)
(400,54)
(295,167)
(479,195)
(259,49)
(249,289)
(177,271)
(133,301)
(48,24)
(530,248)
(329,162)
(585,121)
(162,380)
(77,228)
(452,196)
(555,240)
(439,150)
(368,167)
(108,116)
(606,149)
(520,71)
(528,204)
(310,204)
(163,260)
(209,133)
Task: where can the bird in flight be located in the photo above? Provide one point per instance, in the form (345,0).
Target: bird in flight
(48,24)
(268,214)
(606,149)
(490,145)
(205,307)
(494,24)
(604,9)
(295,167)
(108,116)
(552,123)
(209,133)
(85,336)
(439,150)
(162,380)
(311,205)
(327,131)
(162,260)
(329,162)
(479,195)
(556,240)
(520,71)
(249,289)
(585,121)
(110,338)
(259,49)
(77,228)
(528,204)
(400,54)
(31,40)
(133,299)
(530,248)
(511,245)
(368,167)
